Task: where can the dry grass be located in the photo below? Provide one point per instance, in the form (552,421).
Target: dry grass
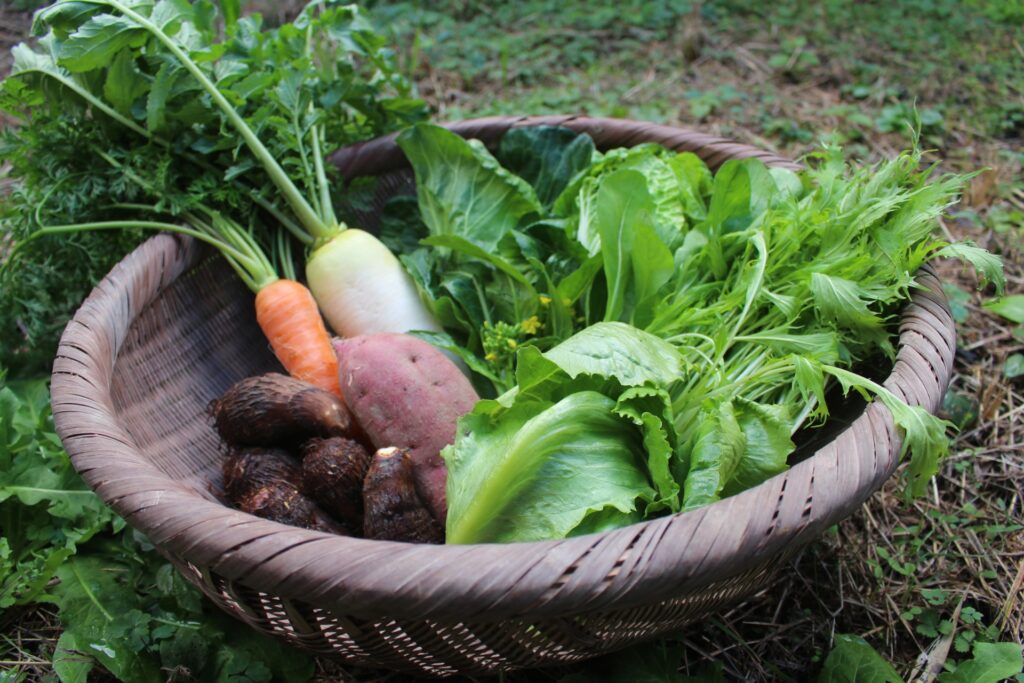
(27,642)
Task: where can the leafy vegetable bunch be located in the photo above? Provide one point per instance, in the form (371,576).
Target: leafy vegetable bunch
(654,335)
(142,111)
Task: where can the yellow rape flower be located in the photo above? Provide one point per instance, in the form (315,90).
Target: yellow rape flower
(531,324)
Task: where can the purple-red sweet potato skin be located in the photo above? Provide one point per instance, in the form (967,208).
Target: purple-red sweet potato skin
(405,393)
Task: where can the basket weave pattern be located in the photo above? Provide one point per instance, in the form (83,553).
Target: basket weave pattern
(171,328)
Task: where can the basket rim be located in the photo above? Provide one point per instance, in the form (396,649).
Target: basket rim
(644,563)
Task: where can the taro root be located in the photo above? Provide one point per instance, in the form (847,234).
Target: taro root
(332,475)
(277,410)
(265,482)
(245,469)
(280,502)
(392,506)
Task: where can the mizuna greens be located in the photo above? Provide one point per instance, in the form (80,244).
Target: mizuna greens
(654,335)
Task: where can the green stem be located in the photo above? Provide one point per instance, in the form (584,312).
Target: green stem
(133,206)
(282,218)
(283,253)
(94,101)
(307,172)
(802,416)
(685,335)
(309,175)
(221,246)
(244,239)
(326,206)
(48,492)
(89,594)
(733,388)
(124,225)
(192,625)
(254,268)
(753,290)
(303,211)
(37,214)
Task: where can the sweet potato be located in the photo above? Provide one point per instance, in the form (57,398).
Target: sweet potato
(277,410)
(405,393)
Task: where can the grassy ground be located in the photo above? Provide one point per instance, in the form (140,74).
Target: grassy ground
(920,581)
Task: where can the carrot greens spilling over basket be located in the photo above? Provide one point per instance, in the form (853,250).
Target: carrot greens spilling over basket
(648,336)
(136,114)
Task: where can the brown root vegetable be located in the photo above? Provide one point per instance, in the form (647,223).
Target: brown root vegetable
(393,508)
(277,410)
(245,469)
(332,475)
(265,482)
(406,393)
(286,504)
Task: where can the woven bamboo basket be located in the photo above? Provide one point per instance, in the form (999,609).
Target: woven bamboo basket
(171,327)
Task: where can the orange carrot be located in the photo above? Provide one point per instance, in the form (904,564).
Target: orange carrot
(290,319)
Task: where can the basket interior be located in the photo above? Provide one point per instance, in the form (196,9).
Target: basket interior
(185,349)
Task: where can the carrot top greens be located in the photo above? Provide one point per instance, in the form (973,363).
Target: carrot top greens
(163,57)
(132,79)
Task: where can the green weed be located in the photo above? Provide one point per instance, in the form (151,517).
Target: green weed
(121,605)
